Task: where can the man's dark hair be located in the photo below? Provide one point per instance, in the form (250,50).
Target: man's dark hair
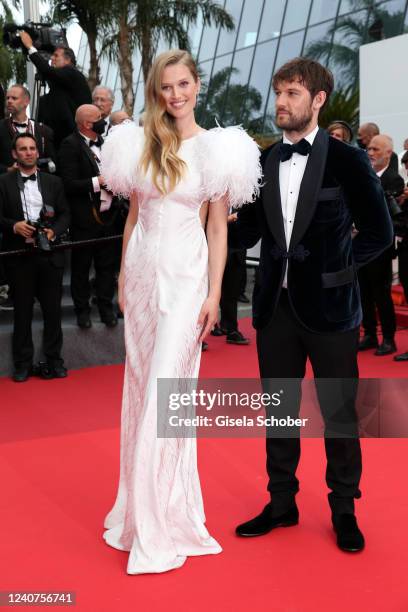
(68,54)
(23,89)
(307,72)
(20,136)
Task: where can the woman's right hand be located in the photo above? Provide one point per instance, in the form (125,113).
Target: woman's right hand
(121,301)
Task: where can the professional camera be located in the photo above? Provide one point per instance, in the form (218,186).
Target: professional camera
(393,206)
(46,164)
(44,222)
(45,38)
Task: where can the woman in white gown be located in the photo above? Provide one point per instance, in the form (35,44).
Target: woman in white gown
(169,289)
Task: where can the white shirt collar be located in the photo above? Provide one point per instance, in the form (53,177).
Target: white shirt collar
(309,137)
(381,172)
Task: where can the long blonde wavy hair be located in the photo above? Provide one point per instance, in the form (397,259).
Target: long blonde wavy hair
(162,140)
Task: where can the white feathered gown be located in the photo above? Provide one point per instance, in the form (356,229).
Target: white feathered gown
(158,515)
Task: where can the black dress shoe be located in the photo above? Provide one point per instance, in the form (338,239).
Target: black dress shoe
(204,346)
(402,357)
(244,299)
(235,337)
(21,374)
(110,320)
(265,522)
(218,331)
(349,536)
(84,320)
(387,347)
(59,371)
(368,342)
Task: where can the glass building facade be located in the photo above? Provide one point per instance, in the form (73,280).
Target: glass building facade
(237,67)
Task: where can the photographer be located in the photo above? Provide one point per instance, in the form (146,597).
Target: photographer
(29,198)
(375,278)
(68,88)
(18,122)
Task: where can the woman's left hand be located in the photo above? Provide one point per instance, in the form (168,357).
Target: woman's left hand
(208,316)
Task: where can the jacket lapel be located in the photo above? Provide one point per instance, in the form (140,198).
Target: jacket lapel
(310,186)
(88,153)
(271,197)
(15,194)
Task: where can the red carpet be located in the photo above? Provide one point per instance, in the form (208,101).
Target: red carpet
(59,465)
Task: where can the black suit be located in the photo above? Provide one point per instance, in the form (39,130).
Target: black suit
(35,274)
(77,165)
(68,90)
(319,314)
(43,135)
(376,278)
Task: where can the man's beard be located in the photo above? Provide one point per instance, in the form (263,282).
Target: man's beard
(27,165)
(290,123)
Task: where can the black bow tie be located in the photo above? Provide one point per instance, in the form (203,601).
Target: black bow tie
(96,143)
(32,177)
(303,147)
(22,125)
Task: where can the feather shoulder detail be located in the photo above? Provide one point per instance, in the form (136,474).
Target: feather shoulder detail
(230,166)
(120,158)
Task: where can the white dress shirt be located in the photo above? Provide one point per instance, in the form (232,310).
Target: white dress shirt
(290,178)
(106,198)
(32,202)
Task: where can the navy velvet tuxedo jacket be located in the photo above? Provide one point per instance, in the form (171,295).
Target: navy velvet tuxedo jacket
(339,188)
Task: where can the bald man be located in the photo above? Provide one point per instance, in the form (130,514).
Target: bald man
(93,216)
(376,277)
(366,133)
(118,117)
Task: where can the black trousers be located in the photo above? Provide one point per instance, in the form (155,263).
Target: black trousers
(375,281)
(104,257)
(31,276)
(232,281)
(283,348)
(403,266)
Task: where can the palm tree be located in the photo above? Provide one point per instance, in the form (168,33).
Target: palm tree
(12,62)
(230,105)
(344,105)
(89,15)
(344,55)
(142,24)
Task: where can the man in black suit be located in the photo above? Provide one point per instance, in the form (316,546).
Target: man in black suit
(25,196)
(18,122)
(376,277)
(68,88)
(306,300)
(104,98)
(93,216)
(366,133)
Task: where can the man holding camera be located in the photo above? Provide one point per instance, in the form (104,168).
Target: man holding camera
(68,88)
(18,122)
(33,211)
(94,213)
(376,277)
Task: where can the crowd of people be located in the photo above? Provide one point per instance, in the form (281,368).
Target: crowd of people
(62,151)
(51,184)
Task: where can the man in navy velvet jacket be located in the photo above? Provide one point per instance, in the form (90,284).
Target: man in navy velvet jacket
(306,301)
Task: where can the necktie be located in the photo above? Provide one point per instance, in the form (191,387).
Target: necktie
(96,143)
(32,177)
(21,125)
(303,147)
